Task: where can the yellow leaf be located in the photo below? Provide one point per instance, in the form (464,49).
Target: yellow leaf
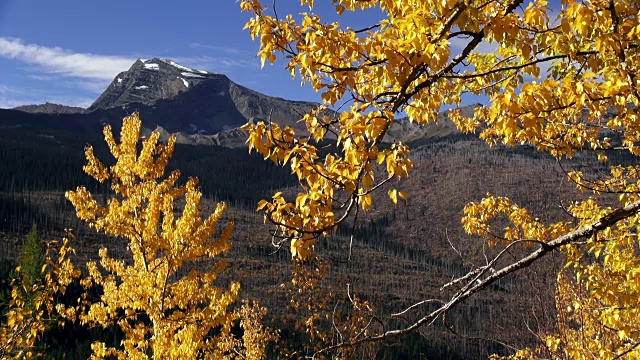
(246,127)
(367,180)
(393,194)
(262,204)
(366,201)
(301,249)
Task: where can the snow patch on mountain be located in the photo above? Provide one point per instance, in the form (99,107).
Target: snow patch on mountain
(191,75)
(186,99)
(178,66)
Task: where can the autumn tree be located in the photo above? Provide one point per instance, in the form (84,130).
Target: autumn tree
(28,284)
(562,78)
(44,274)
(321,315)
(163,297)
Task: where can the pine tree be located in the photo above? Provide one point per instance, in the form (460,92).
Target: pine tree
(32,259)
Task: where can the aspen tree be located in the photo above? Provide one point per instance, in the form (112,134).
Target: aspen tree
(164,297)
(562,78)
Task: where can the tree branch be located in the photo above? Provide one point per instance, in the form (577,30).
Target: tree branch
(569,238)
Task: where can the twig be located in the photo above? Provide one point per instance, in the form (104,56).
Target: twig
(416,305)
(475,286)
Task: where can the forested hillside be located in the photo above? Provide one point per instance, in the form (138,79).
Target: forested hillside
(390,221)
(398,242)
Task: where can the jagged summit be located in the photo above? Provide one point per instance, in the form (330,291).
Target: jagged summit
(148,81)
(198,106)
(206,108)
(193,101)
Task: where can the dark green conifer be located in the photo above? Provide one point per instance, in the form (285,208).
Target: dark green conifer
(32,259)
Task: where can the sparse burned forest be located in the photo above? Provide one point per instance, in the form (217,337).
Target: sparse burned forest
(467,188)
(393,246)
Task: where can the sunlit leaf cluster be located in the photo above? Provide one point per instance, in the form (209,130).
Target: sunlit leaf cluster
(164,298)
(562,78)
(32,307)
(325,315)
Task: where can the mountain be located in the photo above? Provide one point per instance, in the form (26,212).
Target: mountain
(50,108)
(181,99)
(411,132)
(148,82)
(199,107)
(403,253)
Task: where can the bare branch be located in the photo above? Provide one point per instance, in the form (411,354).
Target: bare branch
(428,301)
(480,284)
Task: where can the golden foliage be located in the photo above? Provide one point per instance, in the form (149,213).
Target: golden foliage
(561,80)
(613,327)
(32,305)
(326,317)
(163,298)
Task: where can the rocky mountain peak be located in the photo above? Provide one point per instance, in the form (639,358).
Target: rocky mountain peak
(204,108)
(182,99)
(149,81)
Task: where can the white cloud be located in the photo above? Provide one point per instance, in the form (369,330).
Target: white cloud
(9,103)
(95,86)
(64,62)
(91,73)
(6,89)
(41,77)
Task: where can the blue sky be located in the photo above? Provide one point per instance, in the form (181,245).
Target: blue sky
(69,51)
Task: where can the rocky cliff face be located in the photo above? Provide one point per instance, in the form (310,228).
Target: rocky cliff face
(197,106)
(150,81)
(182,99)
